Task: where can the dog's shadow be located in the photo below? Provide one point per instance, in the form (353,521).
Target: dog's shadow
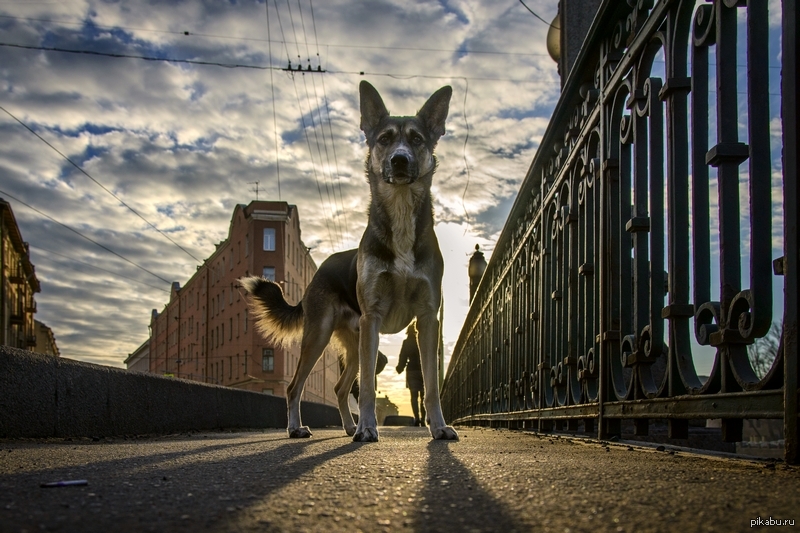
(455,499)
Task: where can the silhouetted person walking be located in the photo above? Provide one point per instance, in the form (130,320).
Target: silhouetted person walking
(409,360)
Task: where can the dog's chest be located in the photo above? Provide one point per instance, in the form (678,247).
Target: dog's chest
(403,224)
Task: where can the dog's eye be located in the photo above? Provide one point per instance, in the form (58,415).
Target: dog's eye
(384,139)
(416,139)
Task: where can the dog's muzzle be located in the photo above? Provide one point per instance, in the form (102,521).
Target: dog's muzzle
(400,169)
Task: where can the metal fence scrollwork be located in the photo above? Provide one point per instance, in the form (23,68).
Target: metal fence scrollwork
(650,229)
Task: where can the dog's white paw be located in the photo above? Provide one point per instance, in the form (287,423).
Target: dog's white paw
(444,433)
(300,433)
(366,435)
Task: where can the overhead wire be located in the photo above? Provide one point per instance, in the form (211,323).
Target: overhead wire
(274,110)
(466,140)
(104,247)
(332,220)
(262,67)
(115,274)
(339,208)
(336,228)
(255,39)
(537,16)
(303,122)
(82,171)
(330,124)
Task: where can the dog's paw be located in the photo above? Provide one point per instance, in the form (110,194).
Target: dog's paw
(444,433)
(366,435)
(300,433)
(350,430)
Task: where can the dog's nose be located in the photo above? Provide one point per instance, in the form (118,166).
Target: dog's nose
(399,162)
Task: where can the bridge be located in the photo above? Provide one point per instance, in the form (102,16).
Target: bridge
(492,480)
(647,237)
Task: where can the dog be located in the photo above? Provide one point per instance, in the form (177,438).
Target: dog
(392,279)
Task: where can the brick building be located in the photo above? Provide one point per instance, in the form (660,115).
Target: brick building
(205,334)
(18,283)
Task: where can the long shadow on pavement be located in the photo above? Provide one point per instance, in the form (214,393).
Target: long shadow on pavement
(185,494)
(455,501)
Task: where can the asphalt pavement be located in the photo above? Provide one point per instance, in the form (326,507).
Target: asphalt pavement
(490,480)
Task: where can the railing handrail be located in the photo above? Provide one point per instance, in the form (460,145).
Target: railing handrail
(529,349)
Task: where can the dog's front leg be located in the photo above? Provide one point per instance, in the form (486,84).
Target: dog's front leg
(428,341)
(369,327)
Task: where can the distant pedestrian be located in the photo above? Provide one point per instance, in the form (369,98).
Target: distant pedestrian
(409,360)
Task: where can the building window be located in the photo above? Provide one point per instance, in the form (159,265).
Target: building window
(269,273)
(247,245)
(267,360)
(269,239)
(267,391)
(245,320)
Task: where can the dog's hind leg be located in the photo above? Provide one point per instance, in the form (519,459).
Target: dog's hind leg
(349,341)
(428,341)
(314,342)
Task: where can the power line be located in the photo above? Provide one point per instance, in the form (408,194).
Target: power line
(466,139)
(303,121)
(116,274)
(336,222)
(262,67)
(255,39)
(274,111)
(80,169)
(104,247)
(537,16)
(132,56)
(330,125)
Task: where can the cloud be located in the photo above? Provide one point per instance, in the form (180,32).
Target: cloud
(182,144)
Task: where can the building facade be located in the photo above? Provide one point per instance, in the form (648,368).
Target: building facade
(45,340)
(18,284)
(139,359)
(205,332)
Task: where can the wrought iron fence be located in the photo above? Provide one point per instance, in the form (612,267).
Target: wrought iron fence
(645,232)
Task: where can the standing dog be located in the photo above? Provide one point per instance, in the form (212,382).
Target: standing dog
(393,278)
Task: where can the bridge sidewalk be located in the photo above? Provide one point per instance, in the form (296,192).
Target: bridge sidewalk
(492,480)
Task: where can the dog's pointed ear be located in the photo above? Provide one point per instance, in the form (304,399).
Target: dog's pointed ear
(372,108)
(434,112)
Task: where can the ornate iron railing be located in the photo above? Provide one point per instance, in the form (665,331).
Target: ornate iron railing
(599,292)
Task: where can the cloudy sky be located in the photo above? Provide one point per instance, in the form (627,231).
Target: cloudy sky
(182,142)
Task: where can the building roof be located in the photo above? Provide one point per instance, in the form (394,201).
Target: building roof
(138,352)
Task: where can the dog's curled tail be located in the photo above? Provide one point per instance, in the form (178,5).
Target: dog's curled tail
(275,318)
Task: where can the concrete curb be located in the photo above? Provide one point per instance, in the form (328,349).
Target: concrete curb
(43,396)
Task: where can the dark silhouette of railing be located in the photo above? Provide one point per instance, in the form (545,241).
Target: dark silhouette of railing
(646,229)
